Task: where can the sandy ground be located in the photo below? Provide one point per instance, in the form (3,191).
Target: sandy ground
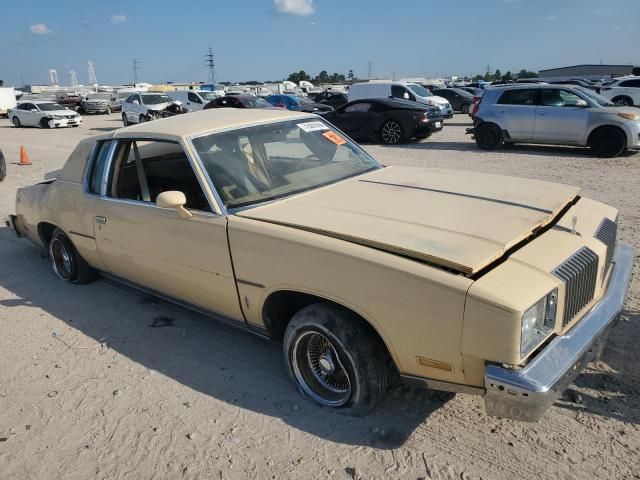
(101,382)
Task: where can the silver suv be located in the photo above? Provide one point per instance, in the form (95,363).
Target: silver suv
(556,115)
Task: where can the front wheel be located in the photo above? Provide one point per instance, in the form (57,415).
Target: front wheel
(125,122)
(391,133)
(66,262)
(488,136)
(623,101)
(108,111)
(16,122)
(607,142)
(334,360)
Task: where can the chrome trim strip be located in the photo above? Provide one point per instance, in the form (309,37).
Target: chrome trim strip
(460,194)
(81,235)
(421,382)
(255,329)
(251,284)
(526,394)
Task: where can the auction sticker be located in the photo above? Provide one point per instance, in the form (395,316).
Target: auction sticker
(312,126)
(334,137)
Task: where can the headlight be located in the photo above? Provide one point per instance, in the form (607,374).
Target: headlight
(538,322)
(57,117)
(629,116)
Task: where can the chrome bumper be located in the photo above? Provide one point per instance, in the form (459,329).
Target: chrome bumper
(526,394)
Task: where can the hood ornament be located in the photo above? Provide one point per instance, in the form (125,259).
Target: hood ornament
(574,222)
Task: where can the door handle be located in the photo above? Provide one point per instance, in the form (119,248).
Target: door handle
(101,220)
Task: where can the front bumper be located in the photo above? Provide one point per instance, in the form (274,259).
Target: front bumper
(526,394)
(65,122)
(632,129)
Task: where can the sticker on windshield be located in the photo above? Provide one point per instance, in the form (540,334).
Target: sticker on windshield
(334,137)
(312,126)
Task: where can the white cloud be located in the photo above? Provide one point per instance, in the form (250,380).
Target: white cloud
(551,18)
(295,7)
(39,29)
(119,19)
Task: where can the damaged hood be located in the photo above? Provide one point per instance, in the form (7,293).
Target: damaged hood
(458,220)
(162,106)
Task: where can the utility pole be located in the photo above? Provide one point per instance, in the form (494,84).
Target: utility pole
(209,62)
(369,70)
(92,74)
(73,78)
(136,67)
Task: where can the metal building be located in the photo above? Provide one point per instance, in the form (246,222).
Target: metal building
(592,72)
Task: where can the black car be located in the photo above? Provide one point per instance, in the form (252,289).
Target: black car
(387,120)
(475,91)
(459,99)
(238,101)
(333,99)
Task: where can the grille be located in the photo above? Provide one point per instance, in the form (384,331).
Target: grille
(607,233)
(579,274)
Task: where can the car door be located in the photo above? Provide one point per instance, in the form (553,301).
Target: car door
(516,112)
(193,101)
(560,118)
(353,118)
(403,93)
(28,116)
(187,259)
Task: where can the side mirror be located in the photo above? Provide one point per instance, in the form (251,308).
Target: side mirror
(176,200)
(405,95)
(581,103)
(34,109)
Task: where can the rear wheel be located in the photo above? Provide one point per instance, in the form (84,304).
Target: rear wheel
(16,122)
(108,112)
(488,136)
(334,359)
(391,133)
(66,262)
(607,142)
(464,108)
(142,119)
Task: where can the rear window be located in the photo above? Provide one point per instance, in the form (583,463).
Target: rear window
(519,97)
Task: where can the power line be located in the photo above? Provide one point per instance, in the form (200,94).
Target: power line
(210,62)
(136,67)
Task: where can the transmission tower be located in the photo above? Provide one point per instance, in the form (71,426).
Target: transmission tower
(92,74)
(136,67)
(369,70)
(53,77)
(73,78)
(209,62)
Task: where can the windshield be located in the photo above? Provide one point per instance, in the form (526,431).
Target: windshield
(257,164)
(599,99)
(301,99)
(207,96)
(49,107)
(123,94)
(155,99)
(419,90)
(255,102)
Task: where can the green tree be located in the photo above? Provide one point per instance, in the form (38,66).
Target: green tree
(497,75)
(527,74)
(507,77)
(1,83)
(350,75)
(298,77)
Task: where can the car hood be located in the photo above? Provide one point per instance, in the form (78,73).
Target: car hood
(60,112)
(459,220)
(161,106)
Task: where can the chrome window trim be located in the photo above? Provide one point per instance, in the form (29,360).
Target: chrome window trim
(105,180)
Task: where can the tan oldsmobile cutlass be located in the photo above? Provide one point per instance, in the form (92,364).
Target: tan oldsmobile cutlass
(278,222)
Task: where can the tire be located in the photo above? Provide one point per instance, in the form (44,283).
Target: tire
(16,122)
(108,112)
(142,119)
(334,360)
(423,136)
(66,262)
(623,101)
(125,122)
(607,142)
(391,133)
(488,136)
(464,108)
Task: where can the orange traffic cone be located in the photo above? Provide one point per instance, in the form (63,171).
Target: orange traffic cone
(24,158)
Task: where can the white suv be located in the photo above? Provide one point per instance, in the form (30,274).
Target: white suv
(623,91)
(142,107)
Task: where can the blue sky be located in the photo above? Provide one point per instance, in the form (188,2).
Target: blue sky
(268,39)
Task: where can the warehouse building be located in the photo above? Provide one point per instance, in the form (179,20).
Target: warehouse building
(592,72)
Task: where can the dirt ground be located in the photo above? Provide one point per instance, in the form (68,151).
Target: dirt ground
(101,382)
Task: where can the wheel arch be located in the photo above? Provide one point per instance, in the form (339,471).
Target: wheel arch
(281,305)
(45,232)
(606,126)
